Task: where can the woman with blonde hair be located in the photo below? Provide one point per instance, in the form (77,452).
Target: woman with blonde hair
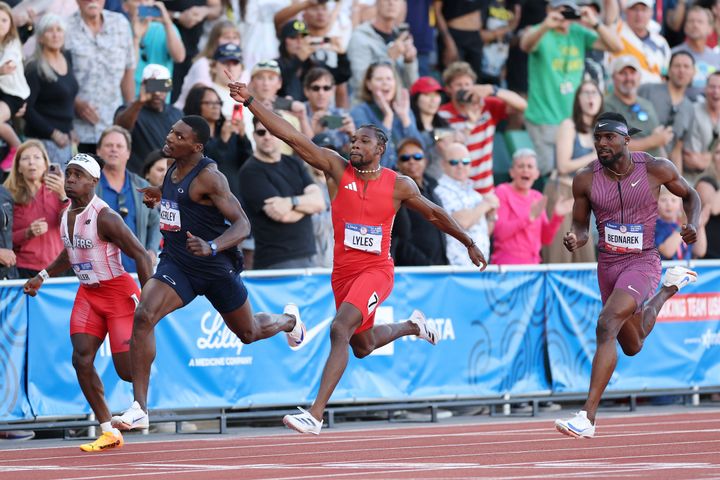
(38,190)
(574,150)
(223,32)
(53,88)
(386,105)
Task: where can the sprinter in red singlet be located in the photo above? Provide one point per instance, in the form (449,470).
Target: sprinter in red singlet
(94,235)
(622,188)
(365,199)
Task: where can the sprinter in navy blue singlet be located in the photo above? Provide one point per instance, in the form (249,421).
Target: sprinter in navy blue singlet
(203,224)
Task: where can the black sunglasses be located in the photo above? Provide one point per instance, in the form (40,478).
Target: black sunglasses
(454,163)
(261,133)
(415,156)
(317,88)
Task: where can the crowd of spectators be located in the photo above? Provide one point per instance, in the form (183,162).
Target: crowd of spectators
(488,105)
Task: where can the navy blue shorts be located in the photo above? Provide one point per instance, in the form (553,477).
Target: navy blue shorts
(225,293)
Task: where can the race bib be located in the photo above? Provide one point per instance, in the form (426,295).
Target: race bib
(85,274)
(169,216)
(623,237)
(367,238)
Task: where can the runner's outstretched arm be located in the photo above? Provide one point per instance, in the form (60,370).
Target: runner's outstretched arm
(677,185)
(59,265)
(412,198)
(579,231)
(320,158)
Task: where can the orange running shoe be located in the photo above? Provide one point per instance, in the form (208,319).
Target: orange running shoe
(105,441)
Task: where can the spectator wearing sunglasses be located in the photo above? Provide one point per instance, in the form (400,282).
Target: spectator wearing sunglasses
(118,187)
(522,226)
(624,100)
(702,138)
(470,209)
(280,198)
(319,88)
(416,241)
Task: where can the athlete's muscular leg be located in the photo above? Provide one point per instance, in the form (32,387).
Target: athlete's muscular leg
(251,328)
(123,366)
(83,358)
(156,301)
(365,342)
(638,327)
(617,310)
(347,320)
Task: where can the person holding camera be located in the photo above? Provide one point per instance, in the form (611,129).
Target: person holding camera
(382,41)
(149,116)
(556,49)
(155,38)
(37,188)
(319,87)
(475,110)
(119,188)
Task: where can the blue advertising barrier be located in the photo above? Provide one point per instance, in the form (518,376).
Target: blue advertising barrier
(491,328)
(13,344)
(683,349)
(502,331)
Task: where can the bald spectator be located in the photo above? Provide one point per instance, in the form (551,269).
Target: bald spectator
(698,27)
(640,113)
(101,45)
(649,48)
(149,117)
(470,209)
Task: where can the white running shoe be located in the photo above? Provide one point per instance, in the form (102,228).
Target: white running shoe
(303,422)
(427,331)
(134,418)
(296,336)
(577,426)
(679,277)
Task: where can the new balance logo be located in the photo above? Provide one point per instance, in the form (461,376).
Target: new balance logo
(351,186)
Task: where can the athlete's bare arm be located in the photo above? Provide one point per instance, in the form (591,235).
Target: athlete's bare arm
(210,187)
(111,228)
(59,265)
(664,172)
(151,196)
(407,193)
(321,158)
(578,234)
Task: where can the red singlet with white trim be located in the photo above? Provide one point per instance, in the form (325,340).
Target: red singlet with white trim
(363,213)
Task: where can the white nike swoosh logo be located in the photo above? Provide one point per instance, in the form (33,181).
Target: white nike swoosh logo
(630,287)
(314,332)
(602,124)
(634,183)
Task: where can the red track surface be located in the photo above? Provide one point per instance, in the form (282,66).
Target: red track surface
(678,446)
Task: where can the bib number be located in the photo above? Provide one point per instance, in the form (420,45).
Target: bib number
(169,216)
(366,238)
(85,274)
(624,237)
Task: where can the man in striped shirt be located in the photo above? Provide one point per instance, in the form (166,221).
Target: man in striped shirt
(475,110)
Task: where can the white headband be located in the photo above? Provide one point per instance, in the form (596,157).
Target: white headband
(87,163)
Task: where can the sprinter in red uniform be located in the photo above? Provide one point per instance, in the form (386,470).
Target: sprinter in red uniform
(94,235)
(365,199)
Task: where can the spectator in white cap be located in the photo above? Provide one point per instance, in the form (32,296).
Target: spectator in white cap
(639,40)
(155,38)
(639,112)
(149,117)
